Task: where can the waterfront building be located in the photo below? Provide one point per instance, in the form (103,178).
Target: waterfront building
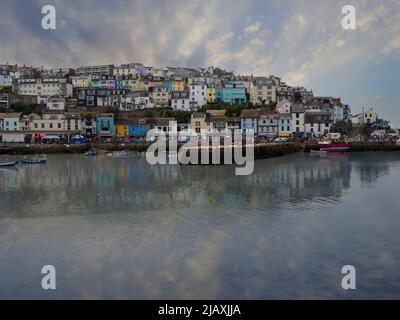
(285,124)
(73,121)
(180,100)
(263,90)
(11,121)
(249,120)
(51,121)
(231,93)
(121,128)
(298,122)
(317,122)
(198,93)
(88,123)
(138,127)
(105,124)
(268,122)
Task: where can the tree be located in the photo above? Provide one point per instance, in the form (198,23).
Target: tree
(344,127)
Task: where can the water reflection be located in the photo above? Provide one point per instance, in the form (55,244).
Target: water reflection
(119,228)
(78,185)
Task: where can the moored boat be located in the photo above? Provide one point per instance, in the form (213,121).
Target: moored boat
(318,152)
(34,160)
(91,152)
(9,164)
(328,146)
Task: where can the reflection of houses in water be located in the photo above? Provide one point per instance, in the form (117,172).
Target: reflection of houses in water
(78,185)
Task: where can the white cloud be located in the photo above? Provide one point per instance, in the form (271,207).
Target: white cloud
(253,27)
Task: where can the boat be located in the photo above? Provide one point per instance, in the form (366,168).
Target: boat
(34,160)
(120,154)
(318,152)
(9,164)
(329,146)
(91,152)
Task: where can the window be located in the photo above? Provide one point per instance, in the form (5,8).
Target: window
(42,125)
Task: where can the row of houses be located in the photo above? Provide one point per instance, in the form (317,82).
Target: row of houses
(135,86)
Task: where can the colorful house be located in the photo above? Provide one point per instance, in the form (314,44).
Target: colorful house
(231,93)
(210,94)
(105,124)
(138,127)
(11,122)
(121,129)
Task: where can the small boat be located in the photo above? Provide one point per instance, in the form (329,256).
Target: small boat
(9,164)
(318,152)
(91,152)
(328,146)
(120,154)
(34,160)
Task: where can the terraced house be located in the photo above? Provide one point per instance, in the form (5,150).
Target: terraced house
(263,90)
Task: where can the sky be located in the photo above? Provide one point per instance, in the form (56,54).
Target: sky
(301,41)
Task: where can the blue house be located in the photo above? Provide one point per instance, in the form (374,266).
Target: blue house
(138,128)
(105,124)
(231,93)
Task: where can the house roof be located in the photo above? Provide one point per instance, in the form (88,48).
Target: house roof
(250,113)
(216,113)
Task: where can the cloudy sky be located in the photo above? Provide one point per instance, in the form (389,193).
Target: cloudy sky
(300,40)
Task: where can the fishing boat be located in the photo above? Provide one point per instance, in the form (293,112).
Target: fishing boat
(329,146)
(34,160)
(9,164)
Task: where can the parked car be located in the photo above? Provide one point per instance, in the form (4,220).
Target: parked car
(282,139)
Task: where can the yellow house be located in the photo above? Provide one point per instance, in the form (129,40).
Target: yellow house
(210,94)
(121,130)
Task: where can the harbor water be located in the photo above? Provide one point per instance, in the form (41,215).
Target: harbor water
(119,228)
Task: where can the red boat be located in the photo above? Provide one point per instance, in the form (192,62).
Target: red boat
(333,147)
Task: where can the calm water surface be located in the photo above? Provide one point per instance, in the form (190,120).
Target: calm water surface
(119,228)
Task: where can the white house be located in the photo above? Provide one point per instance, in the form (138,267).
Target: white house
(198,93)
(44,87)
(56,103)
(297,112)
(180,100)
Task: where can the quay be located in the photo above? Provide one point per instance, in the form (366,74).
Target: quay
(261,151)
